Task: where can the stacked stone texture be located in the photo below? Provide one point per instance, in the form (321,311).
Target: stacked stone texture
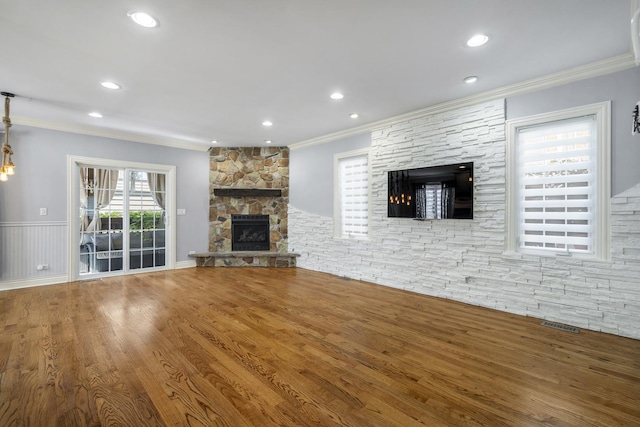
(248,168)
(283,260)
(465,260)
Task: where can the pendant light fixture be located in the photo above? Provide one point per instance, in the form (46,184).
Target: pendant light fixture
(7,168)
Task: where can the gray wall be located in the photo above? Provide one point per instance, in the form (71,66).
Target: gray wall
(41,179)
(623,89)
(311,173)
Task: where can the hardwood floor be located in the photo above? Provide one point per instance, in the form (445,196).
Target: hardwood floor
(291,347)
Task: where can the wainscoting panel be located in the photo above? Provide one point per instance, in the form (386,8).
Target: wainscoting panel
(27,245)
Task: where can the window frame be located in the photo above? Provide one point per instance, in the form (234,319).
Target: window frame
(602,196)
(337,204)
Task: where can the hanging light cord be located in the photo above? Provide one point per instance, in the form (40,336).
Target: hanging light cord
(6,120)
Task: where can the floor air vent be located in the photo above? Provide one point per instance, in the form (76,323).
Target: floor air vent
(561,327)
(97,279)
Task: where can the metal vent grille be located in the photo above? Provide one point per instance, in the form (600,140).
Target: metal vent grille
(561,327)
(97,279)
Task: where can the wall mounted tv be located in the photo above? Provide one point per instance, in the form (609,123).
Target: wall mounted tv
(436,192)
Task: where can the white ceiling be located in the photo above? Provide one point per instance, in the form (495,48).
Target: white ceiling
(215,69)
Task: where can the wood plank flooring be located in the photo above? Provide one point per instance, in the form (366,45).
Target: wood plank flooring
(291,347)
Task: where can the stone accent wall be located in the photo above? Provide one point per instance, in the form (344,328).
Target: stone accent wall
(464,260)
(248,168)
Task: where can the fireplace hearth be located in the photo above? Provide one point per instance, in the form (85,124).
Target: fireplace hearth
(250,233)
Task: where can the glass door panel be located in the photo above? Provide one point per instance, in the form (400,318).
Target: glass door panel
(100,220)
(147,195)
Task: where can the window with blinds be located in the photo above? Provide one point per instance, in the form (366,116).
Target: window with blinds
(353,189)
(556,185)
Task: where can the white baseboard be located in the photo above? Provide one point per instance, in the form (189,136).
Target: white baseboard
(30,283)
(54,280)
(185,264)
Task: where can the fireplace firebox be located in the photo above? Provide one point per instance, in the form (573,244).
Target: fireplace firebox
(250,233)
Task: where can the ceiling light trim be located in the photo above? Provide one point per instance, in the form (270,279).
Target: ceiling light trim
(143,19)
(110,84)
(595,69)
(478,40)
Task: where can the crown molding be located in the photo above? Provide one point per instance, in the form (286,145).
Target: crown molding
(595,69)
(107,133)
(607,66)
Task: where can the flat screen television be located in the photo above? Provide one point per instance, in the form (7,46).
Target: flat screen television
(436,192)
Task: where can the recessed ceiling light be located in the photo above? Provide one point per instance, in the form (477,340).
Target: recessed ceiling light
(337,95)
(143,19)
(477,40)
(354,115)
(95,114)
(470,79)
(110,85)
(268,141)
(213,141)
(267,123)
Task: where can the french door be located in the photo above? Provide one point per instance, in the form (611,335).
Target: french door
(122,219)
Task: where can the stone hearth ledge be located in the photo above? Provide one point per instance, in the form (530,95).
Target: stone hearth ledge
(245,259)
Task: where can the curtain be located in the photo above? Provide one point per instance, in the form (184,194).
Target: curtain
(105,182)
(428,201)
(157,185)
(421,202)
(84,198)
(434,201)
(448,196)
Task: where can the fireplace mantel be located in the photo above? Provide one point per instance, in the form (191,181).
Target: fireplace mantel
(247,192)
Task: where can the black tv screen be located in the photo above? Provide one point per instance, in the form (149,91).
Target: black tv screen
(436,192)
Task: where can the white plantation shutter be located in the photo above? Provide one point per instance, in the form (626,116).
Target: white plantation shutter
(354,195)
(140,196)
(556,185)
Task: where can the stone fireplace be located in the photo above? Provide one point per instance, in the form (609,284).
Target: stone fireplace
(248,183)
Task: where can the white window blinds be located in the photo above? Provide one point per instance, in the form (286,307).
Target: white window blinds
(354,195)
(556,185)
